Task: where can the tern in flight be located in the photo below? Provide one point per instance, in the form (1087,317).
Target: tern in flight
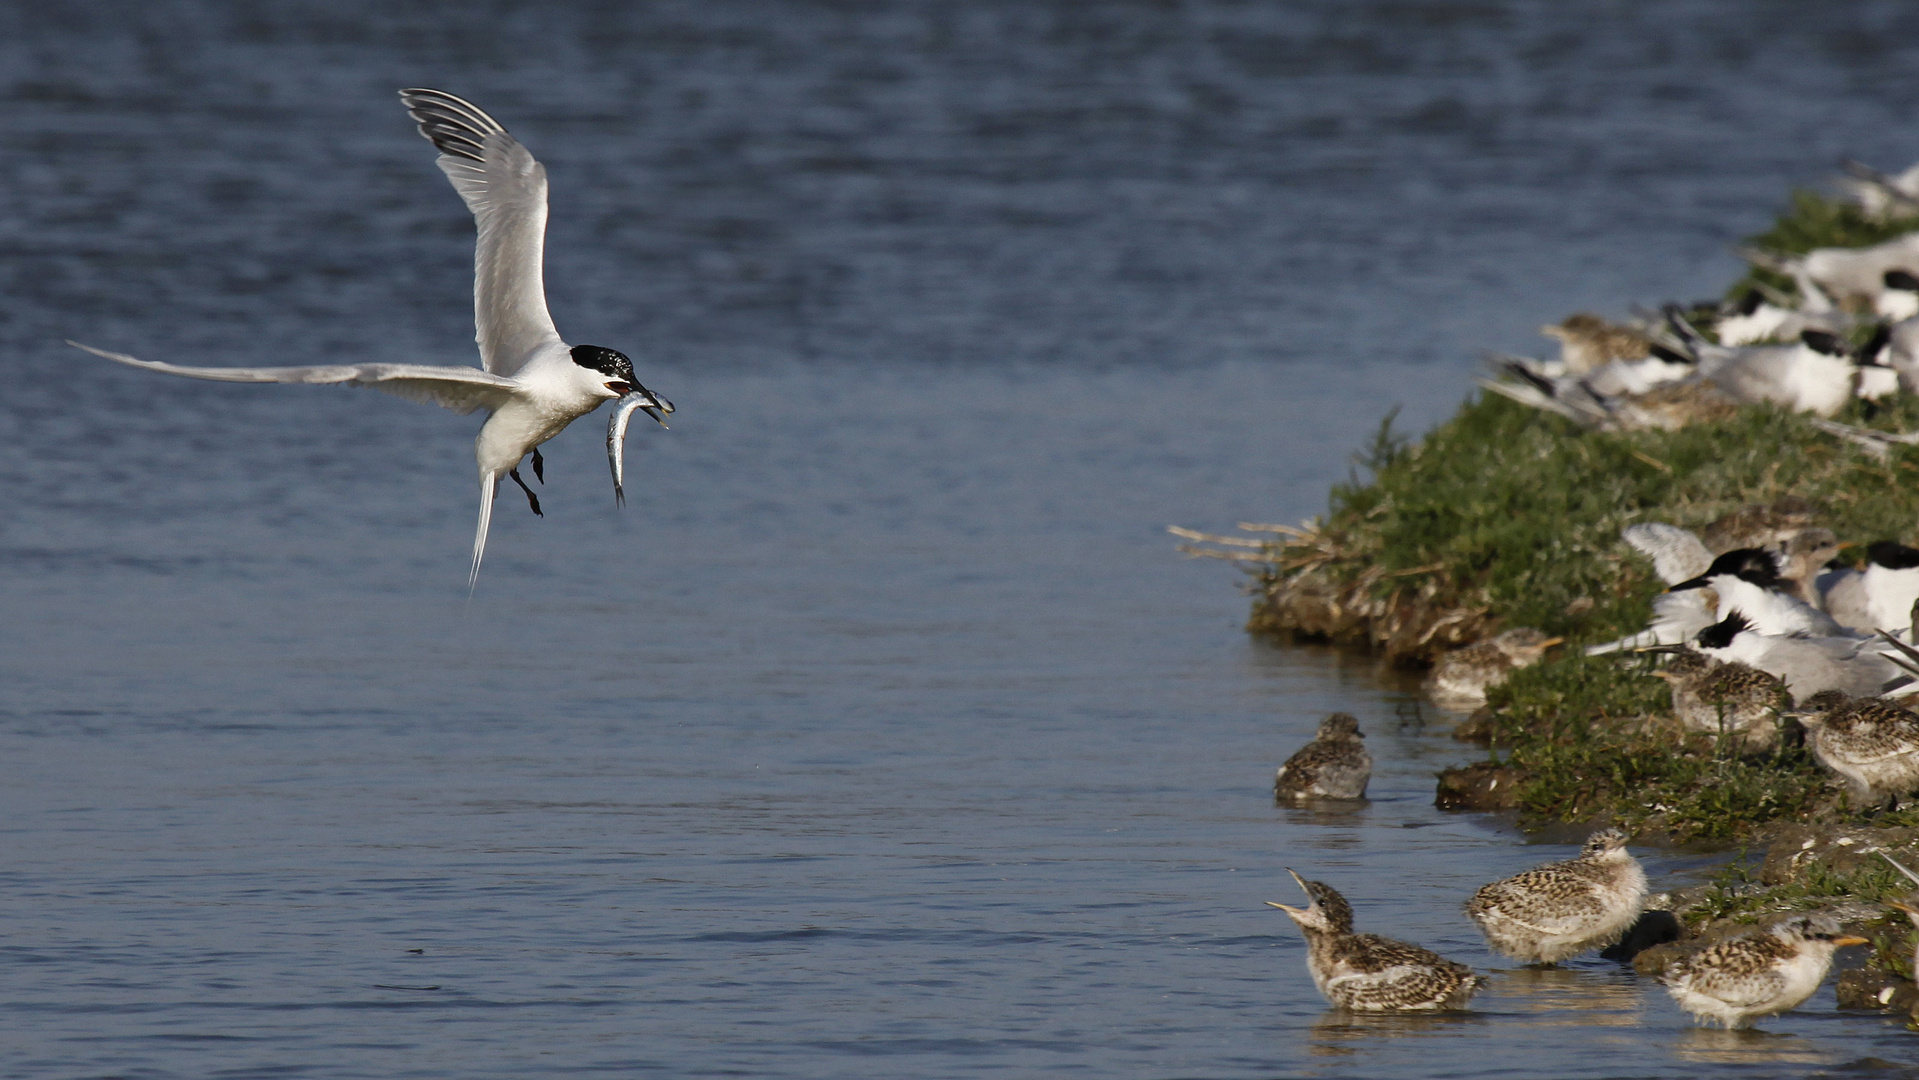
(531,383)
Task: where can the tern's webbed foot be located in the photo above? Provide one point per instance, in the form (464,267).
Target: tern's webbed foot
(530,497)
(539,466)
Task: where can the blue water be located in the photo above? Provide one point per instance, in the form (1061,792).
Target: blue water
(884,733)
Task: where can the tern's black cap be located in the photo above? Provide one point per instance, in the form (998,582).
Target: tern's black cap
(1720,634)
(604,360)
(1892,555)
(1746,564)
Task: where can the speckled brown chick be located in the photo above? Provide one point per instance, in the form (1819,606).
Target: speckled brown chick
(1461,678)
(1727,699)
(1759,973)
(1871,742)
(1771,527)
(1335,765)
(1562,909)
(1588,342)
(1369,973)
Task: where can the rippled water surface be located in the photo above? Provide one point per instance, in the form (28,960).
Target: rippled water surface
(884,734)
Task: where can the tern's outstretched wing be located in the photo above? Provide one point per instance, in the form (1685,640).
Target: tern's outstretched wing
(1677,555)
(458,388)
(506,190)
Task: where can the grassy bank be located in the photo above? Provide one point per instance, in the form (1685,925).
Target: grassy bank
(1506,516)
(1511,517)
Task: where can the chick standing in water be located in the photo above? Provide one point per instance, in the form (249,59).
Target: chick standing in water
(1369,973)
(1335,765)
(1759,973)
(1562,909)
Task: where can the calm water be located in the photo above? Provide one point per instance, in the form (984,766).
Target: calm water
(883,734)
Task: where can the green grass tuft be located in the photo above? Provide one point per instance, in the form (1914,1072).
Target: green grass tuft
(1737,893)
(1578,727)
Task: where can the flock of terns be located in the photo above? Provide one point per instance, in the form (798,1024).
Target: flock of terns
(1764,635)
(1768,346)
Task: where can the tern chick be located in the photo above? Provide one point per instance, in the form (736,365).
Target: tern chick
(1731,699)
(1871,742)
(1588,342)
(1369,973)
(1335,765)
(1761,973)
(1461,678)
(1562,909)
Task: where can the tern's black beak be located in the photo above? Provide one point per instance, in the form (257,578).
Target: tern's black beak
(1694,583)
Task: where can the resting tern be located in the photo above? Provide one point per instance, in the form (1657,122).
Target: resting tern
(1843,273)
(1807,664)
(1588,343)
(1881,596)
(531,383)
(1879,196)
(1676,554)
(1755,318)
(1748,579)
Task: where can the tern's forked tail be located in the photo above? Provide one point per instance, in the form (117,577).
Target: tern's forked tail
(488,484)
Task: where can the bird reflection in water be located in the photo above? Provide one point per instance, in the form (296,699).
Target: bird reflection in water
(1338,1032)
(1569,996)
(1747,1046)
(1573,997)
(1335,822)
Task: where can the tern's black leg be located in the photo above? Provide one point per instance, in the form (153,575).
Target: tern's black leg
(530,497)
(539,467)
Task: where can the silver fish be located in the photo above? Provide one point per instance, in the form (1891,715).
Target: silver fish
(623,411)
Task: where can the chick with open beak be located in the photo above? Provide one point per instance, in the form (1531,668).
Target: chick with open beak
(1369,973)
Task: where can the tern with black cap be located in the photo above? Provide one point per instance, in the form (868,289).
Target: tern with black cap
(531,383)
